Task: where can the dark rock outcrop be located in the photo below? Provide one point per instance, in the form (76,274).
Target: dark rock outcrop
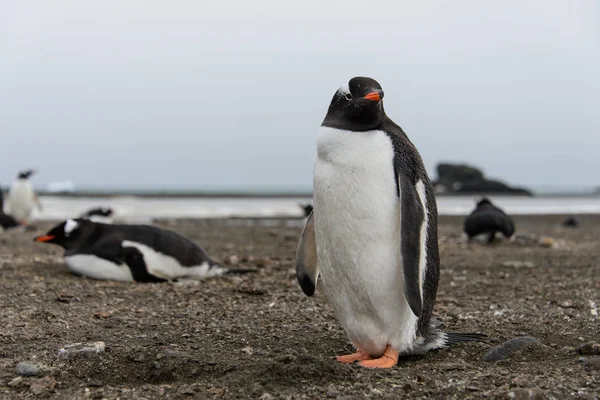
(466,179)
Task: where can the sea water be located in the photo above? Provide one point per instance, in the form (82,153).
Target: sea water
(56,207)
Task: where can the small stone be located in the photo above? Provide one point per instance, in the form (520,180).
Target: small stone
(248,350)
(568,349)
(567,304)
(217,391)
(176,354)
(82,349)
(187,391)
(15,382)
(547,242)
(509,347)
(332,393)
(589,349)
(518,264)
(65,298)
(27,369)
(139,358)
(156,364)
(266,396)
(592,363)
(233,260)
(42,385)
(527,394)
(521,381)
(453,366)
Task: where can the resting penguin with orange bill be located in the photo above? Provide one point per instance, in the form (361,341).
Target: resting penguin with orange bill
(372,236)
(141,253)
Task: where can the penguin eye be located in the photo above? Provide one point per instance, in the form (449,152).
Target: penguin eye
(348,96)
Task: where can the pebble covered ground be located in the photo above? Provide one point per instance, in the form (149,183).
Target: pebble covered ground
(258,337)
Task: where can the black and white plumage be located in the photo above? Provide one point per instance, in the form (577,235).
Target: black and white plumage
(487,219)
(307,208)
(571,222)
(99,214)
(141,253)
(22,200)
(372,236)
(6,221)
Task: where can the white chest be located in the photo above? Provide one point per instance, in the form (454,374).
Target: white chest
(98,268)
(354,188)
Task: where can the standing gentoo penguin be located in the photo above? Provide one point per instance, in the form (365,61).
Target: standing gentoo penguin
(487,219)
(141,253)
(373,232)
(22,198)
(99,214)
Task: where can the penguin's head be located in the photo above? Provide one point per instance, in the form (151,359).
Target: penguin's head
(100,211)
(482,202)
(66,234)
(25,174)
(356,106)
(308,208)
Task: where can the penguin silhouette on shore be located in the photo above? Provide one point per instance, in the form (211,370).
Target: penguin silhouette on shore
(487,219)
(372,236)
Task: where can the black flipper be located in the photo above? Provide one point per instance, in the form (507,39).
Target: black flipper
(307,270)
(135,261)
(411,220)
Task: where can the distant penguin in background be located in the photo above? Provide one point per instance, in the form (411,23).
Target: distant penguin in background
(141,253)
(6,221)
(571,222)
(22,200)
(307,208)
(487,219)
(372,235)
(99,214)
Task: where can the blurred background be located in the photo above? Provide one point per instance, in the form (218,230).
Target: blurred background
(189,108)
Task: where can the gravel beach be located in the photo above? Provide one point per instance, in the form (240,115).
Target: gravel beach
(257,336)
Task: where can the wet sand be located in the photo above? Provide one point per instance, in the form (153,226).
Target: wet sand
(258,336)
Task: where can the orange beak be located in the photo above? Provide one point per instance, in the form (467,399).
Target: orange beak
(45,238)
(374,96)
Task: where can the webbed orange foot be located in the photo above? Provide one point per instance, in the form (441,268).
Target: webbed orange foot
(350,358)
(387,360)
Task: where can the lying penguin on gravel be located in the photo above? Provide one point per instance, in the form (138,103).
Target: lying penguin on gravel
(487,219)
(141,253)
(372,235)
(99,214)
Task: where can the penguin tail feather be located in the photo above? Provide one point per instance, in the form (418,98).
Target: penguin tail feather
(453,338)
(240,271)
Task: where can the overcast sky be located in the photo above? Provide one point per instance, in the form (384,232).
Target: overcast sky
(220,94)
